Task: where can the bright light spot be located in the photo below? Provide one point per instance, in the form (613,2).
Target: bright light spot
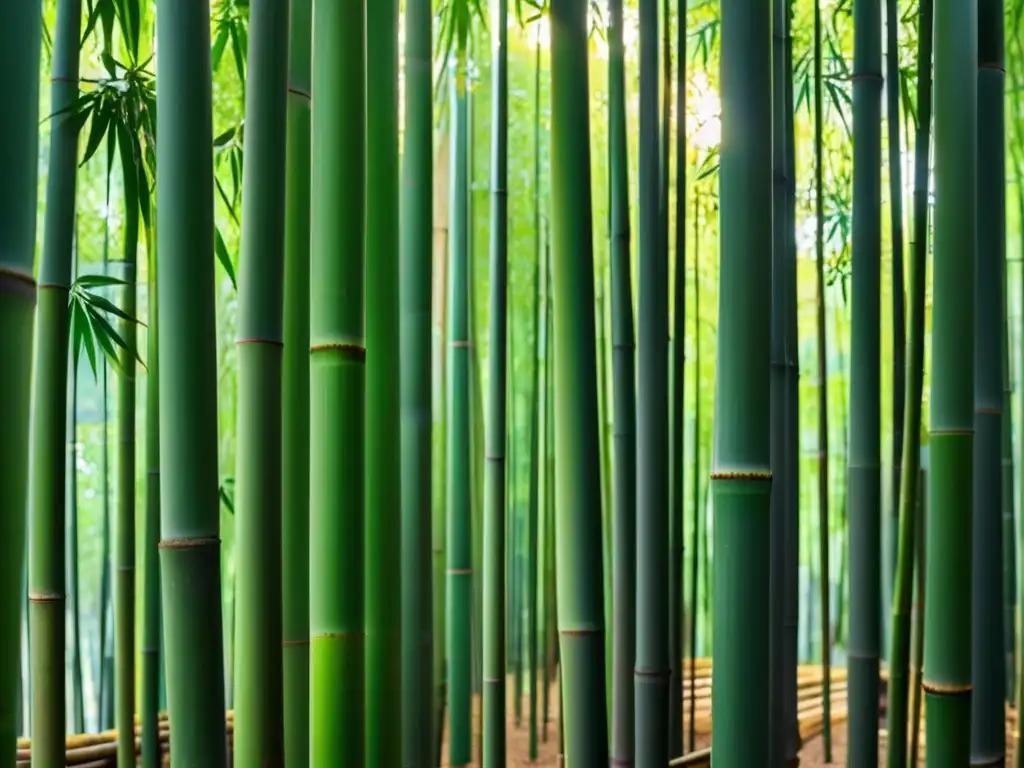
(704,110)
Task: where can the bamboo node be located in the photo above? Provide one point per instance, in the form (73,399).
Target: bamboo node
(495,458)
(998,67)
(46,597)
(952,432)
(191,543)
(126,569)
(303,641)
(946,689)
(53,287)
(258,340)
(358,634)
(460,344)
(866,76)
(736,474)
(589,631)
(299,92)
(652,674)
(621,761)
(16,281)
(355,352)
(988,411)
(459,571)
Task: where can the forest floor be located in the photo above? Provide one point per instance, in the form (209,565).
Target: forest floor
(811,756)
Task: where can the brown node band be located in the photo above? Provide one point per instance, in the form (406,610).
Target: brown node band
(753,474)
(45,597)
(355,352)
(946,689)
(459,571)
(298,91)
(15,281)
(258,340)
(197,543)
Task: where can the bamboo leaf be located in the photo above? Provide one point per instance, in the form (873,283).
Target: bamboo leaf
(224,257)
(97,130)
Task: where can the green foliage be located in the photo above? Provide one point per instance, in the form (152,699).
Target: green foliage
(231,25)
(90,327)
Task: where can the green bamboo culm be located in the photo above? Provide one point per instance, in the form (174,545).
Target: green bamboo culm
(907,560)
(124,544)
(337,387)
(651,672)
(741,477)
(822,354)
(494,671)
(47,566)
(295,395)
(459,588)
(416,269)
(577,520)
(76,717)
(624,406)
(899,318)
(259,704)
(1008,511)
(863,457)
(947,660)
(791,471)
(190,508)
(677,451)
(533,509)
(149,700)
(20,38)
(383,390)
(988,657)
(784,543)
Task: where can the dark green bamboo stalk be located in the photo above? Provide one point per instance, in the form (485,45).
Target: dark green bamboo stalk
(532,556)
(988,656)
(337,386)
(900,636)
(947,662)
(624,405)
(899,321)
(47,566)
(822,350)
(459,502)
(383,390)
(149,703)
(1008,522)
(106,671)
(741,476)
(295,393)
(695,530)
(578,492)
(20,35)
(439,459)
(917,613)
(550,638)
(494,671)
(415,254)
(863,458)
(651,671)
(677,505)
(791,471)
(259,696)
(784,449)
(189,526)
(673,461)
(124,546)
(74,653)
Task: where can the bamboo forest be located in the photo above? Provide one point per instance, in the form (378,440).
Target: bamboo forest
(419,383)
